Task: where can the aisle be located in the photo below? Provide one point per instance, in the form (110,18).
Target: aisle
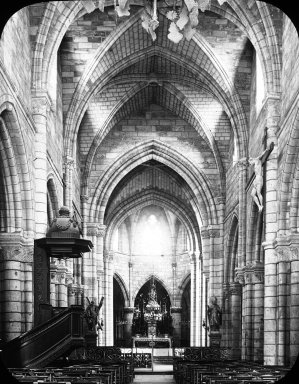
(156,379)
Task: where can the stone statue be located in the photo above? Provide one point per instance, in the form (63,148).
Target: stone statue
(91,315)
(214,315)
(257,162)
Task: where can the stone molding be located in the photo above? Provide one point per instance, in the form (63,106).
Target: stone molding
(286,248)
(98,230)
(251,273)
(84,198)
(41,105)
(17,252)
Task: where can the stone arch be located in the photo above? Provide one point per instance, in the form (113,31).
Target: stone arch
(289,182)
(231,249)
(262,37)
(163,153)
(16,170)
(182,286)
(52,198)
(200,126)
(147,279)
(78,107)
(254,233)
(123,288)
(148,198)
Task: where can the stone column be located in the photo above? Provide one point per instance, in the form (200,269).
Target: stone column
(236,319)
(294,307)
(271,228)
(258,310)
(193,301)
(16,262)
(283,269)
(53,283)
(68,179)
(270,305)
(108,294)
(130,283)
(40,108)
(28,288)
(242,166)
(198,290)
(128,318)
(176,313)
(62,288)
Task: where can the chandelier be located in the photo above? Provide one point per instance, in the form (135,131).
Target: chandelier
(152,310)
(182,15)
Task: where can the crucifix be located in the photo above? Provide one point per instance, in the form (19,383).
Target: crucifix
(258,163)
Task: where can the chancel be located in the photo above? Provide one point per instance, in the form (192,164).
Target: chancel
(149,211)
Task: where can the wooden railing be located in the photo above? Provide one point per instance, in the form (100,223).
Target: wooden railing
(46,342)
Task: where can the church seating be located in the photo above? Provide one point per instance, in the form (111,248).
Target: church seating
(107,373)
(192,366)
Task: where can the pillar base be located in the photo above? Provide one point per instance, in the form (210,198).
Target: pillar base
(215,338)
(91,339)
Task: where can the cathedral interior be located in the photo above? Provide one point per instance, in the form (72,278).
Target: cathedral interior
(149,179)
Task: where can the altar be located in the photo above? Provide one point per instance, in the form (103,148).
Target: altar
(152,342)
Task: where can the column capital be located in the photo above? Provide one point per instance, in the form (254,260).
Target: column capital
(68,161)
(239,276)
(84,198)
(253,272)
(235,289)
(41,103)
(16,251)
(94,229)
(242,163)
(108,256)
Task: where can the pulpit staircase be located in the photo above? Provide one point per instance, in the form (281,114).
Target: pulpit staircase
(46,342)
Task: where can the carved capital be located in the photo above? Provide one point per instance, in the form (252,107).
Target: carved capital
(108,256)
(235,289)
(84,198)
(41,106)
(205,234)
(68,162)
(239,276)
(96,230)
(243,163)
(254,272)
(17,253)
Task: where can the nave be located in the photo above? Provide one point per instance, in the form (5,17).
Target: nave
(121,368)
(149,185)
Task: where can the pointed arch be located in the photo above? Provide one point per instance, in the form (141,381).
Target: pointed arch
(123,288)
(146,280)
(16,172)
(204,199)
(231,260)
(160,199)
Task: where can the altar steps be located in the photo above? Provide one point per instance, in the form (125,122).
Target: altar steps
(163,360)
(153,378)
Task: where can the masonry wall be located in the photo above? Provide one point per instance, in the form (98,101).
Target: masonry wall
(15,44)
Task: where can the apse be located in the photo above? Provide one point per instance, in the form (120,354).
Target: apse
(152,234)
